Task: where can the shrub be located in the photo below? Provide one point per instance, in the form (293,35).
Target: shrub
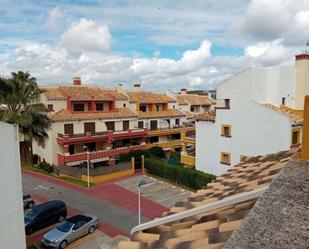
(157,151)
(191,178)
(46,167)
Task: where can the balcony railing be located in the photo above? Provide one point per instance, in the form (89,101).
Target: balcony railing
(170,130)
(165,145)
(99,136)
(80,157)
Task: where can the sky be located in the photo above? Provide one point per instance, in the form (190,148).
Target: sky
(165,45)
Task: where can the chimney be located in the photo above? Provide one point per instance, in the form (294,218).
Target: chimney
(119,88)
(301,79)
(77,81)
(183,91)
(137,87)
(305,139)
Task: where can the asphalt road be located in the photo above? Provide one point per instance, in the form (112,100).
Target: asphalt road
(117,217)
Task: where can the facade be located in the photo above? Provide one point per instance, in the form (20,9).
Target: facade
(252,107)
(104,123)
(11,212)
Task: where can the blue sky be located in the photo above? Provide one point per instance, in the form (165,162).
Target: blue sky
(189,43)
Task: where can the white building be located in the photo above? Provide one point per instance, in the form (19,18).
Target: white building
(258,112)
(12,234)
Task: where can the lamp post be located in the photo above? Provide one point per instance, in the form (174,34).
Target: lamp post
(88,177)
(140,184)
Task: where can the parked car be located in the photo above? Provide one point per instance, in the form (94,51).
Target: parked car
(71,229)
(45,214)
(28,201)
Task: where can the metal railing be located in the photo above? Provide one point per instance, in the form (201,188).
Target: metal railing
(230,200)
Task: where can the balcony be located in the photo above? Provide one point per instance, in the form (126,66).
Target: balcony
(165,145)
(187,159)
(99,136)
(170,130)
(188,140)
(97,155)
(222,104)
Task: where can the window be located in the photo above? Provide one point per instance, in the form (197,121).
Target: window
(89,127)
(226,131)
(153,124)
(125,125)
(99,106)
(225,158)
(192,108)
(140,124)
(168,121)
(110,126)
(283,101)
(177,123)
(295,136)
(158,108)
(153,140)
(124,105)
(79,107)
(227,103)
(68,129)
(71,149)
(91,146)
(142,108)
(50,107)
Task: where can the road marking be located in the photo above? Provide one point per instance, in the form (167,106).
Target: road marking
(43,187)
(82,240)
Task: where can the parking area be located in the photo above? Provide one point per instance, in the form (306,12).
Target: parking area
(156,190)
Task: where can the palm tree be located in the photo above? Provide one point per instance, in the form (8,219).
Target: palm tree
(19,97)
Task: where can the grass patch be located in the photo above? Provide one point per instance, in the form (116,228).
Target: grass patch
(28,166)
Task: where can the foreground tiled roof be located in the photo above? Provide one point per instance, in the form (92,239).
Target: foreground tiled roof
(294,115)
(212,229)
(65,115)
(83,93)
(149,97)
(279,219)
(194,99)
(160,114)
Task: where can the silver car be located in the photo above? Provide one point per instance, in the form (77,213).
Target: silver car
(71,229)
(28,201)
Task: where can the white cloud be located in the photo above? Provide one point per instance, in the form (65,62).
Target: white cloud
(87,35)
(54,19)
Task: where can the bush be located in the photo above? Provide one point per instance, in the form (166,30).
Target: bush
(46,167)
(191,178)
(157,151)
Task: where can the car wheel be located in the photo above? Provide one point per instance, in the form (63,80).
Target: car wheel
(91,229)
(61,218)
(30,204)
(63,244)
(29,230)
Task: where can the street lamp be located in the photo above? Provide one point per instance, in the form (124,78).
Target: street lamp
(140,184)
(88,177)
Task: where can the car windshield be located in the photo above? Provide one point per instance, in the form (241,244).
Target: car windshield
(65,227)
(30,215)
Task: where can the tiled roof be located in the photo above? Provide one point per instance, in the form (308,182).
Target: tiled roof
(212,229)
(149,98)
(160,114)
(210,116)
(83,93)
(295,115)
(65,115)
(194,99)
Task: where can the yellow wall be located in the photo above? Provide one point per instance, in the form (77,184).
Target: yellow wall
(107,177)
(301,84)
(305,139)
(188,160)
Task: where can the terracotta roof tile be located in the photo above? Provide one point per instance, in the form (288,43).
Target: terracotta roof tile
(295,115)
(194,99)
(83,93)
(212,229)
(65,115)
(149,97)
(161,114)
(210,116)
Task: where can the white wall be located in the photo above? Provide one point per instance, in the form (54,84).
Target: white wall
(256,130)
(12,234)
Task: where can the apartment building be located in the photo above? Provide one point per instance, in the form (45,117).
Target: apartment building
(89,119)
(159,114)
(258,111)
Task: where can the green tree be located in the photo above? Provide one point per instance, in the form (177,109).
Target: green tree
(19,95)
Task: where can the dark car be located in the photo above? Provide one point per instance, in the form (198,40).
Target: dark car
(45,214)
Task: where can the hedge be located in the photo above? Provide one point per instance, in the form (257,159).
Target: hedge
(190,178)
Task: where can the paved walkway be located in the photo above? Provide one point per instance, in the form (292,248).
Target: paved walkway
(114,205)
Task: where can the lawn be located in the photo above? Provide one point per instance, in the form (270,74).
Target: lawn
(28,166)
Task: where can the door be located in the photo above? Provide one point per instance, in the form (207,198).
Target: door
(153,124)
(68,129)
(110,126)
(140,124)
(77,231)
(89,127)
(125,125)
